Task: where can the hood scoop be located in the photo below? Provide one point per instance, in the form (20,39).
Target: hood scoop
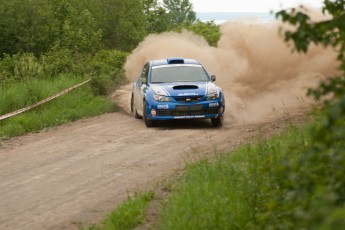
(177,87)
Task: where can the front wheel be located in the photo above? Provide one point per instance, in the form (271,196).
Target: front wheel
(217,122)
(148,123)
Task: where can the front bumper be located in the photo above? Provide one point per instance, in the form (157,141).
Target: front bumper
(173,110)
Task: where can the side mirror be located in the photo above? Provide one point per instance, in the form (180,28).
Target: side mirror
(213,77)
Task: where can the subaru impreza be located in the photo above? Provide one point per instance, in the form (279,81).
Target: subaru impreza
(176,88)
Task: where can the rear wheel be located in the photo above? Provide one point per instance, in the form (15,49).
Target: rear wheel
(148,123)
(133,109)
(217,122)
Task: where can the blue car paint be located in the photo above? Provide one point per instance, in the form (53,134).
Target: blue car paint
(189,107)
(152,104)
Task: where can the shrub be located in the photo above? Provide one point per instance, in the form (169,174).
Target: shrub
(56,62)
(19,67)
(107,70)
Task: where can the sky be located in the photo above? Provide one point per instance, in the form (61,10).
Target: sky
(249,5)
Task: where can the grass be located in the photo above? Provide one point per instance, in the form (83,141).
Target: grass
(128,215)
(76,104)
(234,191)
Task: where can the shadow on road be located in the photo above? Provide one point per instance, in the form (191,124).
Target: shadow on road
(185,124)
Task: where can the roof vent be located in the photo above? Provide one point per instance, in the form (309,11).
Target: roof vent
(175,61)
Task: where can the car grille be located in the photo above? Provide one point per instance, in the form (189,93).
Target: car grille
(188,107)
(188,98)
(186,112)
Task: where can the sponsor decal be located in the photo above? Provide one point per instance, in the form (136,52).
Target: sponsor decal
(188,94)
(153,112)
(189,117)
(162,106)
(213,104)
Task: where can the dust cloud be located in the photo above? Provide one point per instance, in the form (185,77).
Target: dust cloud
(256,69)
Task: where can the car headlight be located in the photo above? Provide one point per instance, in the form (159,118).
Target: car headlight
(212,96)
(161,98)
(212,92)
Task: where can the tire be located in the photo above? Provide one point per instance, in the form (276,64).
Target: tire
(133,109)
(148,123)
(217,122)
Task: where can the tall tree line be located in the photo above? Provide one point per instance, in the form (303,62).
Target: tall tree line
(38,26)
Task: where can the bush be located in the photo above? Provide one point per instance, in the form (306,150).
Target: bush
(19,67)
(208,30)
(312,188)
(56,62)
(107,70)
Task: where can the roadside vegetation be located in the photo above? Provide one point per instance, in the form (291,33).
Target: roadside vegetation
(281,183)
(128,215)
(48,46)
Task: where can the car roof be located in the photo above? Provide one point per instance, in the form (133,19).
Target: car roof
(171,61)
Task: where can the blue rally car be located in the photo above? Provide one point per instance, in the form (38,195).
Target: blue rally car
(176,88)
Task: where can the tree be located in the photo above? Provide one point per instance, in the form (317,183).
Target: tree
(157,18)
(209,30)
(25,26)
(78,30)
(122,23)
(180,11)
(37,25)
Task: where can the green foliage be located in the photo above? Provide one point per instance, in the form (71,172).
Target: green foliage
(79,33)
(312,189)
(231,192)
(330,32)
(320,172)
(105,67)
(157,18)
(128,215)
(327,32)
(26,26)
(287,182)
(58,62)
(122,22)
(19,67)
(209,30)
(180,11)
(107,71)
(38,26)
(42,40)
(78,103)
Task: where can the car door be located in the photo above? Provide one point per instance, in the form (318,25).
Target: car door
(141,87)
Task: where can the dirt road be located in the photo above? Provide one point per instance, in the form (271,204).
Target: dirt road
(78,172)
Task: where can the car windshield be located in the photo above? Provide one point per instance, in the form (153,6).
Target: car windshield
(178,73)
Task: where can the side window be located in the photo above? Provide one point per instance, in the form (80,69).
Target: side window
(145,73)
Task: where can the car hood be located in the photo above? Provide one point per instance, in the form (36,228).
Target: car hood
(182,88)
